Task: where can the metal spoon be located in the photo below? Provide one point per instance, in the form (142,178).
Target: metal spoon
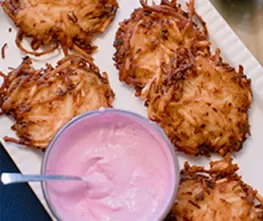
(11,178)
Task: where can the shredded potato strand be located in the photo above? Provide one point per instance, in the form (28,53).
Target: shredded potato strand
(215,194)
(53,23)
(42,101)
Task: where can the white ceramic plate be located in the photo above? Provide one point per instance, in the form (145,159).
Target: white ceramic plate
(233,50)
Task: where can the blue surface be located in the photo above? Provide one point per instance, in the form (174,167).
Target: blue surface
(18,202)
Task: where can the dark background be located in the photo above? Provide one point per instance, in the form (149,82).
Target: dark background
(17,201)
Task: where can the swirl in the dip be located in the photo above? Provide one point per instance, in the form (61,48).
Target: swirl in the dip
(129,165)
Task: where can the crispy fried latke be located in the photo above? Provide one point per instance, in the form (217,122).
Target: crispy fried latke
(42,101)
(216,194)
(150,37)
(69,23)
(202,104)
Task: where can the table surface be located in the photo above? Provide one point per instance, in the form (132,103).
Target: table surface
(246,18)
(18,202)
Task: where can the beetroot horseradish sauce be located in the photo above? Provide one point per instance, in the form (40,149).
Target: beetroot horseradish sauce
(128,160)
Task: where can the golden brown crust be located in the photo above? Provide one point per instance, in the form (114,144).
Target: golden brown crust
(150,37)
(202,104)
(66,23)
(42,101)
(215,194)
(3,51)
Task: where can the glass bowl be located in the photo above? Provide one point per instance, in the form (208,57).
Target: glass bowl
(88,116)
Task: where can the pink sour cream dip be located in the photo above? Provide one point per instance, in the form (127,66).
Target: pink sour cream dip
(129,162)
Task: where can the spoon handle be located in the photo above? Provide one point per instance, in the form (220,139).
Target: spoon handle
(10,178)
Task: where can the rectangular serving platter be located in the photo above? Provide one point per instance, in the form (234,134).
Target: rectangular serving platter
(233,51)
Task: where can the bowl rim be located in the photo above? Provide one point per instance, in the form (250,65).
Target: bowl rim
(85,115)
